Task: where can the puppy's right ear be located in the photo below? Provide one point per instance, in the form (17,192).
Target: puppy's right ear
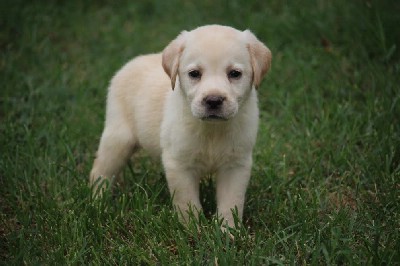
(171,55)
(260,57)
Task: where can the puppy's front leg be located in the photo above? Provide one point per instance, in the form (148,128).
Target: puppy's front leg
(231,189)
(184,188)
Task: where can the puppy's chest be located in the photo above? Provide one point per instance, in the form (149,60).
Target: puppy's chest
(211,153)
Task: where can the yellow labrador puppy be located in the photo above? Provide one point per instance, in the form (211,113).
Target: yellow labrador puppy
(195,105)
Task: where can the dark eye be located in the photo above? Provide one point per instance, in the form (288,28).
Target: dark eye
(234,74)
(194,74)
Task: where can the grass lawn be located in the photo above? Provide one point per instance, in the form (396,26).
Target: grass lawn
(325,185)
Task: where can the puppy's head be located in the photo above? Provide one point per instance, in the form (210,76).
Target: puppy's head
(217,67)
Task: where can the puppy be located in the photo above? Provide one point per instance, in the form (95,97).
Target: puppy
(195,105)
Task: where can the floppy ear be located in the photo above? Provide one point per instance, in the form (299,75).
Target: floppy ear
(260,57)
(171,55)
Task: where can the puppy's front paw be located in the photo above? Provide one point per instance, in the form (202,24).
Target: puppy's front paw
(99,186)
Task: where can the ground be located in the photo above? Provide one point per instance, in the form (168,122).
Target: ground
(326,176)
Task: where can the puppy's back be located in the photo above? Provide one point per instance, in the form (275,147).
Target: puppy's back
(137,93)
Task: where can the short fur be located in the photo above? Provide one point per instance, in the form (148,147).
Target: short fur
(198,125)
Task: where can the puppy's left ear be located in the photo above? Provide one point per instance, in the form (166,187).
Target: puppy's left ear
(171,55)
(260,57)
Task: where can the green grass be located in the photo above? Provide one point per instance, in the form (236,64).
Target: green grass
(325,186)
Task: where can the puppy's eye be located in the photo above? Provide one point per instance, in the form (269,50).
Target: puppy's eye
(194,74)
(234,74)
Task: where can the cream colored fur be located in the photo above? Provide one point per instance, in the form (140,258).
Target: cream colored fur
(202,125)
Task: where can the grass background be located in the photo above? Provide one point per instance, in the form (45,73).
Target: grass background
(326,178)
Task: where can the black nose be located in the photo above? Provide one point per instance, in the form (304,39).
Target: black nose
(213,101)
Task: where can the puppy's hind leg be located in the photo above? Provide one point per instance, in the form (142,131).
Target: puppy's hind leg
(116,147)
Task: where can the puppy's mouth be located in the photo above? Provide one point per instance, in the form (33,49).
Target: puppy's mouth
(214,117)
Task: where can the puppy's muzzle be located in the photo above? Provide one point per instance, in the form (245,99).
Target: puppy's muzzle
(213,102)
(214,107)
